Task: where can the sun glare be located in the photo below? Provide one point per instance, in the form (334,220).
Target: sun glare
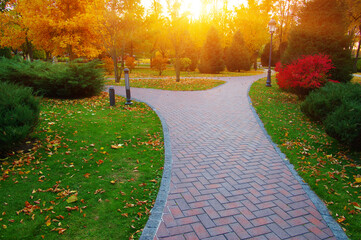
(196,8)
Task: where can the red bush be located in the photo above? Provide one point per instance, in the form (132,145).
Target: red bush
(304,74)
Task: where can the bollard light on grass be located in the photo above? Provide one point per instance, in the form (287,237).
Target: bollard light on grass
(127,87)
(272,29)
(111,96)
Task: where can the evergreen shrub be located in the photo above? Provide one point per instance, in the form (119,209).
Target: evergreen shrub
(322,102)
(73,80)
(338,107)
(19,114)
(344,124)
(275,58)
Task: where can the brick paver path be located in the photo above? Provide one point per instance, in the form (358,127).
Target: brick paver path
(228,182)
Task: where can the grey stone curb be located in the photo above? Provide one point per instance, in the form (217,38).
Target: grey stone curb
(320,206)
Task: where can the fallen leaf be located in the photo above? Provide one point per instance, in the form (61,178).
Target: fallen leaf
(117,146)
(87,175)
(48,223)
(72,199)
(341,219)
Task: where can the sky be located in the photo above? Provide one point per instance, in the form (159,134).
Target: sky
(195,6)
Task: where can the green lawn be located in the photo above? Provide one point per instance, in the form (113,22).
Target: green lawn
(92,172)
(188,84)
(146,72)
(331,170)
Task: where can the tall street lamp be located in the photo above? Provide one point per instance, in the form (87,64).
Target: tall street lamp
(272,29)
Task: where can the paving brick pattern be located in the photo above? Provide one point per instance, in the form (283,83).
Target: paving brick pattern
(228,182)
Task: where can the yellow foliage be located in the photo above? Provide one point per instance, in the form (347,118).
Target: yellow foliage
(108,65)
(130,62)
(61,26)
(12,31)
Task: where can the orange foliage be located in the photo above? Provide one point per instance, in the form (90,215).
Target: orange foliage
(159,63)
(108,65)
(130,62)
(12,31)
(61,26)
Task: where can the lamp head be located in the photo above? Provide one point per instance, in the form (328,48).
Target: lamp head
(272,26)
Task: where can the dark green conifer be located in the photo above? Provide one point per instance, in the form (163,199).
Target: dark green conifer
(212,54)
(322,28)
(237,55)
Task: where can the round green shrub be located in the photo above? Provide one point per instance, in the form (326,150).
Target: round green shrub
(19,114)
(344,124)
(324,101)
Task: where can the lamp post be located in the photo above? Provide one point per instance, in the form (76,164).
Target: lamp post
(272,29)
(127,87)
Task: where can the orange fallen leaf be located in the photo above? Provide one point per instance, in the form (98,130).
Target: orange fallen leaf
(48,223)
(87,175)
(341,219)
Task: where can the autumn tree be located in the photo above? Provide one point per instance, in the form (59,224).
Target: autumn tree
(285,12)
(178,32)
(252,22)
(159,63)
(114,20)
(212,54)
(62,26)
(354,15)
(322,29)
(237,55)
(191,51)
(13,32)
(155,37)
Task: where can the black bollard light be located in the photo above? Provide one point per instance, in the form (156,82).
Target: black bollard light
(111,96)
(127,87)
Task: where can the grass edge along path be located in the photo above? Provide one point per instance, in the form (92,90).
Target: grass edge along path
(93,172)
(146,72)
(330,170)
(186,84)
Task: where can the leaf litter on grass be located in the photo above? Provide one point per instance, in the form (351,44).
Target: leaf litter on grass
(89,167)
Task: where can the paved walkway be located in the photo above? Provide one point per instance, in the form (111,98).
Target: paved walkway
(227,180)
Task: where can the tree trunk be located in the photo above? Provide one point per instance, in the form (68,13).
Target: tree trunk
(69,49)
(131,48)
(177,69)
(254,59)
(29,53)
(115,64)
(357,53)
(48,55)
(122,57)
